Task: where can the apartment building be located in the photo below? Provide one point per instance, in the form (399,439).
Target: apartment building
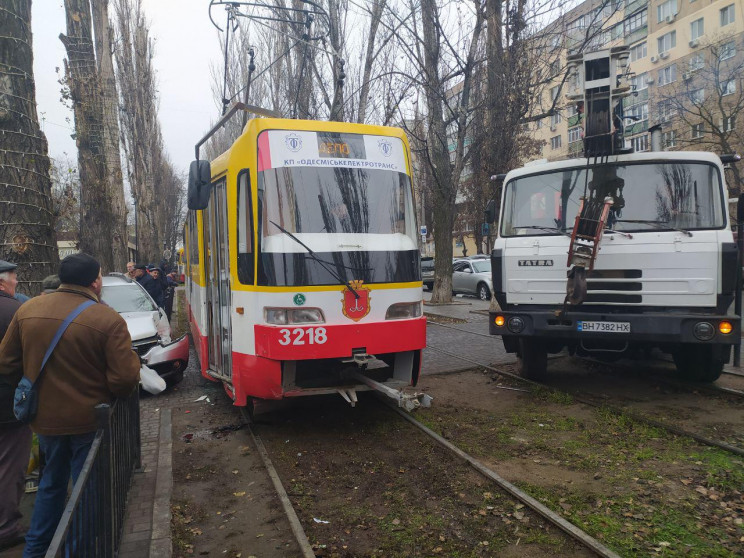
(686,68)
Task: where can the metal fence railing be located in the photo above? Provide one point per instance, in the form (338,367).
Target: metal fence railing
(92,522)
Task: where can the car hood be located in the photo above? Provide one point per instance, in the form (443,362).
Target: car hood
(141,325)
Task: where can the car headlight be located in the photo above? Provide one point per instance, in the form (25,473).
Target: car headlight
(403,310)
(285,316)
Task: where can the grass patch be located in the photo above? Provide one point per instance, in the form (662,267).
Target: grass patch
(184,516)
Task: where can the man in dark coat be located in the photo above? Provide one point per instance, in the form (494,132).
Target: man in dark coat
(92,363)
(152,286)
(15,438)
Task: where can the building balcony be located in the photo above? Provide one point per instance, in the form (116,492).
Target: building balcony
(637,35)
(636,128)
(632,6)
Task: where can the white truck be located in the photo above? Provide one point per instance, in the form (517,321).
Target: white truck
(655,266)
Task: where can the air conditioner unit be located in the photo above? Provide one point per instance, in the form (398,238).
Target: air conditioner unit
(654,59)
(649,80)
(693,43)
(687,75)
(552,127)
(663,55)
(670,18)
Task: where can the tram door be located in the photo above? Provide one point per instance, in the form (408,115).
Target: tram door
(218,281)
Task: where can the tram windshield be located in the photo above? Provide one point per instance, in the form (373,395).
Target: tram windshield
(352,209)
(648,197)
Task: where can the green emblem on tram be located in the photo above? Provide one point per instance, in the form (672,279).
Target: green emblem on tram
(299,299)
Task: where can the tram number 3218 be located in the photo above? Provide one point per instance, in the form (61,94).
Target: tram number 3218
(299,336)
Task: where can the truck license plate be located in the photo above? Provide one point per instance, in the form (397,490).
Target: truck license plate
(604,327)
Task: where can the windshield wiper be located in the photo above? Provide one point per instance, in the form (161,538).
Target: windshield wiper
(551,229)
(663,225)
(316,258)
(611,231)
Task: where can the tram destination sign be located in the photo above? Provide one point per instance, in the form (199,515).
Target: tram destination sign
(299,148)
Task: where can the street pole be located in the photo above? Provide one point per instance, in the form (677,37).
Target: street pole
(136,230)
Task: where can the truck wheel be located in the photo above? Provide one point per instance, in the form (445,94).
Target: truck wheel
(696,363)
(483,292)
(533,359)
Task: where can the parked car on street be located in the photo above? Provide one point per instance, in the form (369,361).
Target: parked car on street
(148,326)
(427,272)
(473,277)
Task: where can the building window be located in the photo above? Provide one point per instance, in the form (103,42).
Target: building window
(555,40)
(666,110)
(539,124)
(728,87)
(669,139)
(666,9)
(574,134)
(668,74)
(697,96)
(640,143)
(727,124)
(638,112)
(639,51)
(697,61)
(555,142)
(667,42)
(555,119)
(697,29)
(554,92)
(639,82)
(635,22)
(579,23)
(572,110)
(727,50)
(697,131)
(727,15)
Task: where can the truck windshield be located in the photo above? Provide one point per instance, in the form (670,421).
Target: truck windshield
(358,222)
(648,197)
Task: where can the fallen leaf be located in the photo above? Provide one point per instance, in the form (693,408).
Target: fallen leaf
(239,493)
(396,521)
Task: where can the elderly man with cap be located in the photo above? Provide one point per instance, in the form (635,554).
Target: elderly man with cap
(15,438)
(148,283)
(92,363)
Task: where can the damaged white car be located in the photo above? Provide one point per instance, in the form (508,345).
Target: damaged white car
(148,326)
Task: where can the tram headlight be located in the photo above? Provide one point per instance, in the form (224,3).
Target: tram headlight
(403,310)
(704,331)
(306,316)
(290,316)
(276,316)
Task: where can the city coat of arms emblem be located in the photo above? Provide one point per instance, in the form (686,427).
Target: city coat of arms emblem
(356,308)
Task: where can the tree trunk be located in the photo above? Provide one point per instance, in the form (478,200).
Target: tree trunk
(337,106)
(374,23)
(96,231)
(111,152)
(27,235)
(444,189)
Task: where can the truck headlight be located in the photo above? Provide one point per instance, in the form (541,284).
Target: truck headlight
(704,331)
(403,310)
(515,324)
(285,316)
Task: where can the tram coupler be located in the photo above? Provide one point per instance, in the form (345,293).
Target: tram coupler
(408,401)
(349,395)
(361,359)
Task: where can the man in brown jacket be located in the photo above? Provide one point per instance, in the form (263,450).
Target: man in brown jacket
(15,438)
(92,363)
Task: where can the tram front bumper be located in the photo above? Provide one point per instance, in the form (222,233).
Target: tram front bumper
(311,341)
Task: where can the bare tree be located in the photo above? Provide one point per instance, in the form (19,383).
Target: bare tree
(66,196)
(27,236)
(98,232)
(703,108)
(112,155)
(140,130)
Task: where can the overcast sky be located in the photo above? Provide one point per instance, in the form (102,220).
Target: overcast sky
(186,44)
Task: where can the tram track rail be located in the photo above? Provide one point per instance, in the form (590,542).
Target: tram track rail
(585,400)
(570,529)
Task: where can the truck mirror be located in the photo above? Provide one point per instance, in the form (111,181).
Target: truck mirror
(491,212)
(200,176)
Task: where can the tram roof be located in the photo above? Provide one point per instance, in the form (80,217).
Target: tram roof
(256,125)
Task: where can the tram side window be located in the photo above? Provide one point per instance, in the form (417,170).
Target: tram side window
(245,230)
(193,240)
